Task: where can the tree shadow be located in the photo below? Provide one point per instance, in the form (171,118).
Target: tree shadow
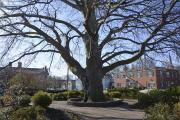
(55,114)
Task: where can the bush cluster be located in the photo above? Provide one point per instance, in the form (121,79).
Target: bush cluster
(41,99)
(161,111)
(5,112)
(122,93)
(110,93)
(169,96)
(74,94)
(67,94)
(29,113)
(115,94)
(8,100)
(59,96)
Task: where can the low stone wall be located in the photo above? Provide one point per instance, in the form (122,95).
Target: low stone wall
(95,104)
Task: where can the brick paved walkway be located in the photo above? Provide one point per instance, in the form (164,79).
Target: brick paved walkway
(100,113)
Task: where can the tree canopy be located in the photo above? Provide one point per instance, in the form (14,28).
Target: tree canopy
(107,33)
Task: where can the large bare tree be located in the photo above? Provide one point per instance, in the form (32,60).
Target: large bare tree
(109,33)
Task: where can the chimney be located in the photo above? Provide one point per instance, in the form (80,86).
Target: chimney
(19,64)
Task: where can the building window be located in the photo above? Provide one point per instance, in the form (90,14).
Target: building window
(176,75)
(161,73)
(139,74)
(119,84)
(168,74)
(151,84)
(130,74)
(150,73)
(162,84)
(172,83)
(124,76)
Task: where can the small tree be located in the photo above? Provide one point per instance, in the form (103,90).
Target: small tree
(24,83)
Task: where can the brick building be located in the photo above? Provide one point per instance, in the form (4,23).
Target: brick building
(7,73)
(44,81)
(156,77)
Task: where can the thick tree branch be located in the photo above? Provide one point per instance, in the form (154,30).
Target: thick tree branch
(127,61)
(43,17)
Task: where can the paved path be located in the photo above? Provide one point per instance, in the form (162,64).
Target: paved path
(100,113)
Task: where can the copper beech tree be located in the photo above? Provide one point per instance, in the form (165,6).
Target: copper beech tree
(108,33)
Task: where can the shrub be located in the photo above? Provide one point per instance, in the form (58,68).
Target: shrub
(59,96)
(154,96)
(125,92)
(169,96)
(115,94)
(174,90)
(67,94)
(144,100)
(5,112)
(41,99)
(29,113)
(158,112)
(24,100)
(176,111)
(8,100)
(74,94)
(162,111)
(40,110)
(107,94)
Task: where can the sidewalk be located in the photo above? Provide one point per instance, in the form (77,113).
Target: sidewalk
(100,113)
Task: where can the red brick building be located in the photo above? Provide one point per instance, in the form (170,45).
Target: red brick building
(156,77)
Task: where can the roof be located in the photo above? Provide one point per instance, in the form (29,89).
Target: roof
(17,69)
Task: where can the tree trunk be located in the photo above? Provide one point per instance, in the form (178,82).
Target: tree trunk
(95,89)
(94,79)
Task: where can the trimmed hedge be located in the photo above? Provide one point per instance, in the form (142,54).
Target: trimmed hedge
(41,99)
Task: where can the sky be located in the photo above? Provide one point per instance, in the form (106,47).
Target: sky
(58,68)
